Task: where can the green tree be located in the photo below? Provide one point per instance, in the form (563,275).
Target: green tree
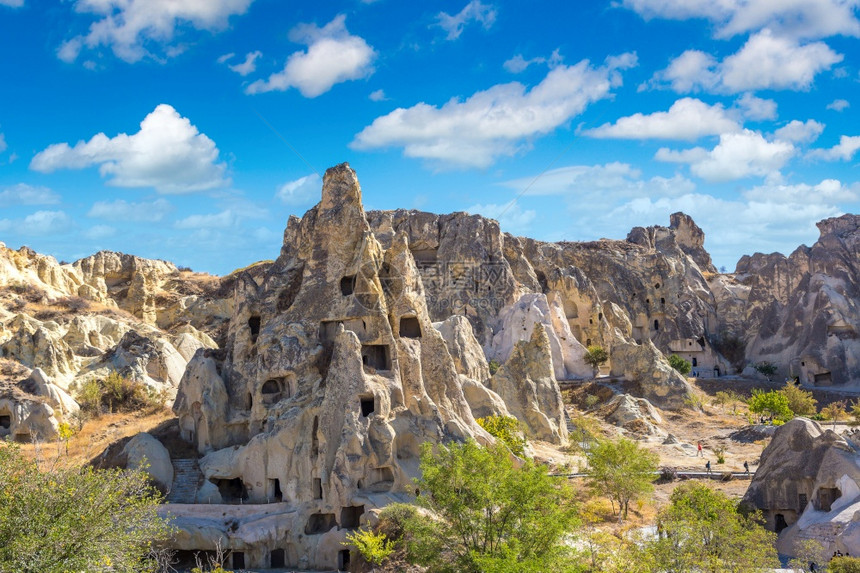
(766,368)
(622,471)
(75,519)
(491,515)
(682,366)
(774,403)
(844,564)
(595,356)
(701,530)
(374,547)
(800,401)
(507,430)
(834,411)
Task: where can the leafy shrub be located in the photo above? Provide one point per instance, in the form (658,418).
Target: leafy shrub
(373,547)
(766,368)
(682,366)
(844,564)
(800,401)
(595,356)
(73,303)
(494,366)
(118,394)
(774,403)
(507,430)
(591,400)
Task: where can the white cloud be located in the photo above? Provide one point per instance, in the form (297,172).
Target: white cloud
(120,210)
(333,56)
(771,62)
(495,122)
(800,131)
(378,95)
(474,11)
(755,108)
(46,223)
(249,66)
(168,153)
(608,181)
(736,156)
(511,218)
(12,3)
(226,58)
(791,18)
(844,150)
(220,220)
(829,191)
(518,63)
(131,27)
(688,119)
(301,191)
(3,145)
(100,232)
(765,61)
(23,194)
(839,105)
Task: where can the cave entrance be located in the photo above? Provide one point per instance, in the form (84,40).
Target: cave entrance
(779,522)
(317,487)
(343,560)
(238,560)
(368,404)
(823,379)
(410,327)
(5,422)
(254,326)
(347,285)
(376,356)
(826,497)
(275,492)
(802,501)
(350,517)
(320,523)
(278,559)
(231,490)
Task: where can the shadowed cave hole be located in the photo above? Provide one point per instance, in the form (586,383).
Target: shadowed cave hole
(254,326)
(368,405)
(277,559)
(231,490)
(410,327)
(320,523)
(317,487)
(5,422)
(343,560)
(275,492)
(238,560)
(347,285)
(350,517)
(376,356)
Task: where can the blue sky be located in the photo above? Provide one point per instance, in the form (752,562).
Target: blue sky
(190,130)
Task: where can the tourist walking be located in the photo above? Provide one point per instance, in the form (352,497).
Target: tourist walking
(747,467)
(708,467)
(699,446)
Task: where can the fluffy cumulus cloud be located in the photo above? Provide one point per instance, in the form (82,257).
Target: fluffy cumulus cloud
(222,220)
(688,119)
(756,108)
(766,61)
(121,210)
(333,56)
(134,29)
(475,11)
(828,192)
(23,194)
(12,3)
(518,63)
(377,95)
(46,223)
(737,155)
(495,122)
(511,217)
(790,18)
(838,105)
(800,131)
(844,150)
(168,154)
(301,191)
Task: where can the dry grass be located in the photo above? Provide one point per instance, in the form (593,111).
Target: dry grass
(96,435)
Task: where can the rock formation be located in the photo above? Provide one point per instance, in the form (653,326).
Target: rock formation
(807,487)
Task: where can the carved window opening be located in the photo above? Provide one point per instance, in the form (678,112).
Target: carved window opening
(662,300)
(254,326)
(231,490)
(425,256)
(315,441)
(376,356)
(347,285)
(647,301)
(238,560)
(317,487)
(695,361)
(278,559)
(657,285)
(275,492)
(656,324)
(802,501)
(343,560)
(271,387)
(803,363)
(5,422)
(350,517)
(380,480)
(249,401)
(410,327)
(600,316)
(368,404)
(320,523)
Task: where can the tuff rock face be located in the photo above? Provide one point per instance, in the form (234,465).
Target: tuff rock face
(807,487)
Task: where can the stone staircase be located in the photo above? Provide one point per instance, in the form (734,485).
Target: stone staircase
(186,479)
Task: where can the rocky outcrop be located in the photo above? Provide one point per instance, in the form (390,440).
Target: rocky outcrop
(807,487)
(145,453)
(528,387)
